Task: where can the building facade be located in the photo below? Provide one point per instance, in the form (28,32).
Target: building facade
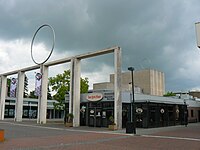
(148,81)
(30,109)
(151,111)
(96,107)
(193,103)
(193,111)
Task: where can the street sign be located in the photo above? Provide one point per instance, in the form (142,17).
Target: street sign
(197,27)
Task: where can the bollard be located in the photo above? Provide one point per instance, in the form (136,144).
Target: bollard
(1,135)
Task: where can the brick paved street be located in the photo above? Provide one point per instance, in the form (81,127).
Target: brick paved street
(54,136)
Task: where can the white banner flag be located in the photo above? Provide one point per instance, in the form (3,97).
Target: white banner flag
(38,83)
(13,87)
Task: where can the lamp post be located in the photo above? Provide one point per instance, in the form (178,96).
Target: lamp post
(133,101)
(185,113)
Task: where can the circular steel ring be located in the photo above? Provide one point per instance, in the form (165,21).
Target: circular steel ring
(44,25)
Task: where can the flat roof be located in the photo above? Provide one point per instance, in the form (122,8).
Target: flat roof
(127,98)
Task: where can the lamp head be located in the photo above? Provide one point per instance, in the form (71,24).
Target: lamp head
(130,68)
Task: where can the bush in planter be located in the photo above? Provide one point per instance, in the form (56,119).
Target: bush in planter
(112,125)
(69,120)
(111,119)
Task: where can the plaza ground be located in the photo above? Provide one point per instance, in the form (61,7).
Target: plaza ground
(28,135)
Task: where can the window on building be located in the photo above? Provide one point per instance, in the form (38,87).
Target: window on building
(192,113)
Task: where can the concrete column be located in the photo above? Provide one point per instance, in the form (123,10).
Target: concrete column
(3,96)
(43,97)
(117,89)
(76,93)
(71,87)
(20,96)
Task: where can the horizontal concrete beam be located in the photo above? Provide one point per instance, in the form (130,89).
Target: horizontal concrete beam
(56,62)
(21,70)
(96,53)
(82,56)
(63,60)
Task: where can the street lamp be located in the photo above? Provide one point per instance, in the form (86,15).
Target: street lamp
(133,101)
(185,113)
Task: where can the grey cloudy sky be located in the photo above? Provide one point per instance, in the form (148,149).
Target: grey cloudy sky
(158,34)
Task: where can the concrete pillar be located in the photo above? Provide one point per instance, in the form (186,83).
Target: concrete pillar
(3,96)
(43,98)
(76,92)
(19,97)
(117,89)
(71,87)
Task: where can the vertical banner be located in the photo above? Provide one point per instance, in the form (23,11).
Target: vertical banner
(13,87)
(38,83)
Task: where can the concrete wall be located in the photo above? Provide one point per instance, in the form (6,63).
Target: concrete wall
(149,81)
(104,85)
(195,117)
(157,85)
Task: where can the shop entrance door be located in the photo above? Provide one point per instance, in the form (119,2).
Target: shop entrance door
(95,117)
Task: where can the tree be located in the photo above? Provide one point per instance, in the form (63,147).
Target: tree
(168,94)
(32,95)
(84,85)
(61,84)
(8,86)
(49,97)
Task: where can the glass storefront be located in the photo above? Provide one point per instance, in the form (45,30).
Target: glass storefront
(96,114)
(148,115)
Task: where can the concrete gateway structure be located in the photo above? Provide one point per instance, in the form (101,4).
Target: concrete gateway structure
(95,108)
(74,102)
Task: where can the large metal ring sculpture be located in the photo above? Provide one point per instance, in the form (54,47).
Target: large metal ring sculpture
(42,26)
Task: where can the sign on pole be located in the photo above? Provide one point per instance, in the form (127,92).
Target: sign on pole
(197,27)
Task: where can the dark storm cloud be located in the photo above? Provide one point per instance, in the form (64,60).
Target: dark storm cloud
(152,34)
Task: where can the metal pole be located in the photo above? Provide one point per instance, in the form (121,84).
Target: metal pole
(133,104)
(185,114)
(133,101)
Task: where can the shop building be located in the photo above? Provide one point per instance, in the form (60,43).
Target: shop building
(192,100)
(151,111)
(96,107)
(193,110)
(30,109)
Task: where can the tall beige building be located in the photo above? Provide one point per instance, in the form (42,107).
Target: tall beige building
(148,81)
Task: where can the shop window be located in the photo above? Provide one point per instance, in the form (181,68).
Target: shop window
(11,112)
(25,113)
(6,112)
(152,116)
(108,105)
(192,113)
